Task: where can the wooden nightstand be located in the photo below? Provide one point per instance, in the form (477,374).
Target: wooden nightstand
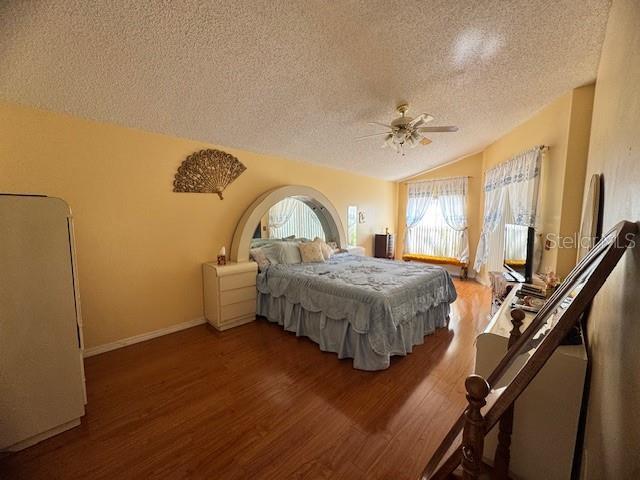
(229,293)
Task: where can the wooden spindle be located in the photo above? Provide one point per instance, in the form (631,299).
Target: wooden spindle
(517,318)
(474,427)
(503,449)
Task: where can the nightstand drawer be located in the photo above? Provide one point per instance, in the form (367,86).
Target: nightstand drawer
(239,280)
(238,295)
(234,310)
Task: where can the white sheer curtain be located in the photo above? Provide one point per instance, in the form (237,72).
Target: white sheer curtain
(280,213)
(437,218)
(302,221)
(433,237)
(523,187)
(420,195)
(494,198)
(511,185)
(452,197)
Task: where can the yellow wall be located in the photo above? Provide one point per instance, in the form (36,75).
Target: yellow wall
(470,166)
(141,246)
(549,127)
(613,423)
(564,125)
(574,173)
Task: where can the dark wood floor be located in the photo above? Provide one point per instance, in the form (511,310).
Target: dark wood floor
(256,402)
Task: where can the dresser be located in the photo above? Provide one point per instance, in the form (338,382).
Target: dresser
(383,246)
(229,293)
(546,415)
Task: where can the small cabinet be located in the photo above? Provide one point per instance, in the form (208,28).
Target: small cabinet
(383,246)
(229,293)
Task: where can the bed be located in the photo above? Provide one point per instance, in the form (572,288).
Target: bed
(363,308)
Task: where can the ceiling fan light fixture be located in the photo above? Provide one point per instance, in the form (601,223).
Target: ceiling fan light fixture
(406,131)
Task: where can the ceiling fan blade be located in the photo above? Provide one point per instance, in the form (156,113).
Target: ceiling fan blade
(417,121)
(421,119)
(425,141)
(449,128)
(372,135)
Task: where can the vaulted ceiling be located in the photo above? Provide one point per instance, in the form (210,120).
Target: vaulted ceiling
(301,79)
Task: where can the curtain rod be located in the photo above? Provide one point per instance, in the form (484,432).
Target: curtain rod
(437,179)
(543,148)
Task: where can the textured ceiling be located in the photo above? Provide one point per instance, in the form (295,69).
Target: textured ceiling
(301,79)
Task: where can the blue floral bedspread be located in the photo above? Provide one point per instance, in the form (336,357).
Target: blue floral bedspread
(375,295)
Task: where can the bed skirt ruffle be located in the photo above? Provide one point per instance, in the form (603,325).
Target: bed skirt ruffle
(339,337)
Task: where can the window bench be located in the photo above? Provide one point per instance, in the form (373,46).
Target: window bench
(416,257)
(515,263)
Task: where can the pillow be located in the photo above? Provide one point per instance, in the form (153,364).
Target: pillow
(326,250)
(289,238)
(311,252)
(261,242)
(282,252)
(334,248)
(273,252)
(260,258)
(290,253)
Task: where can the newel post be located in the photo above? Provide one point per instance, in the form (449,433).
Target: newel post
(517,317)
(503,449)
(474,427)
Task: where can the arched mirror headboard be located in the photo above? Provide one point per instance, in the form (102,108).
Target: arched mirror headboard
(324,209)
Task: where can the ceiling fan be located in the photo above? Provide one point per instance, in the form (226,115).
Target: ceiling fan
(406,131)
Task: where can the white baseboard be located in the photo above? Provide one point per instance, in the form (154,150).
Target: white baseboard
(90,352)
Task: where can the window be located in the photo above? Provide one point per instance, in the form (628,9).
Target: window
(432,236)
(515,244)
(510,194)
(437,218)
(293,217)
(352,225)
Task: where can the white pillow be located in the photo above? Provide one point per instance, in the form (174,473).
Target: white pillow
(290,253)
(273,252)
(282,252)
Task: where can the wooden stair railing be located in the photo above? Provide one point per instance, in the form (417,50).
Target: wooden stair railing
(464,444)
(503,450)
(474,429)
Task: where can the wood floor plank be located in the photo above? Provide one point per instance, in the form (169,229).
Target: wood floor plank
(258,402)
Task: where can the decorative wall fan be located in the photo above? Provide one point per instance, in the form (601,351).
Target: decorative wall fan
(207,171)
(406,131)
